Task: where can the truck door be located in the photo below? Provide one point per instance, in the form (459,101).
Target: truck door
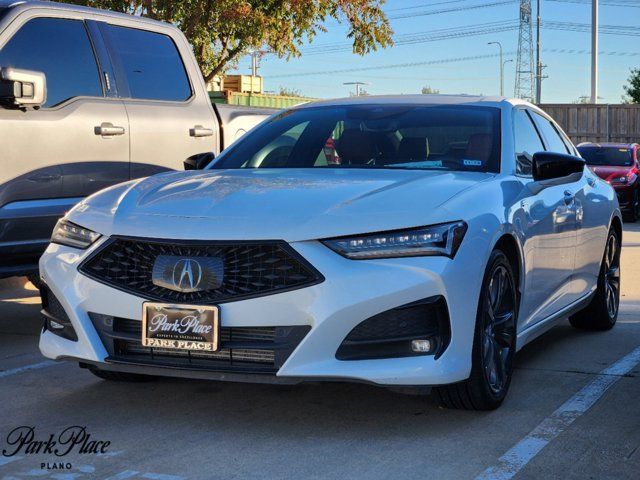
(74,145)
(170,114)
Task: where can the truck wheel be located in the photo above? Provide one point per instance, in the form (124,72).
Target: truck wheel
(34,278)
(494,343)
(602,312)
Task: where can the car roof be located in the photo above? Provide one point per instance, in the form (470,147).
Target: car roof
(607,145)
(27,4)
(429,99)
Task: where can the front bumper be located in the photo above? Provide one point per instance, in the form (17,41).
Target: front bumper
(352,292)
(625,194)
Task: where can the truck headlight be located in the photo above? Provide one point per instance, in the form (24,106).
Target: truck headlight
(72,235)
(442,240)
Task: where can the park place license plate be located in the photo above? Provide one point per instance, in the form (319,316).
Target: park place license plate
(180,327)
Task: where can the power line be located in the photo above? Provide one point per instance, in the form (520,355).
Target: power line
(449,10)
(448,60)
(422,37)
(609,3)
(475,30)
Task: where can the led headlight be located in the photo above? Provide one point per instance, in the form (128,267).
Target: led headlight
(72,235)
(443,240)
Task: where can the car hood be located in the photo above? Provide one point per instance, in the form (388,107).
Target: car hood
(289,204)
(608,172)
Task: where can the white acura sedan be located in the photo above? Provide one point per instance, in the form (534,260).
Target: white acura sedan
(411,241)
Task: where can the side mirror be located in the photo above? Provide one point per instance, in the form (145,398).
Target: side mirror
(550,165)
(22,88)
(199,161)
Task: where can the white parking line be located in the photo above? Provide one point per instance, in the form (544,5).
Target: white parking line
(26,368)
(6,460)
(526,449)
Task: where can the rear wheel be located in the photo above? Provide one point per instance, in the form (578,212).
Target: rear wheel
(120,376)
(494,343)
(602,312)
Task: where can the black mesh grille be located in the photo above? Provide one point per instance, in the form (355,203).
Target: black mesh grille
(242,349)
(250,269)
(389,334)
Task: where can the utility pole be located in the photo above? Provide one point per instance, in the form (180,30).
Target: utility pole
(504,63)
(525,69)
(501,67)
(594,51)
(357,84)
(254,63)
(538,61)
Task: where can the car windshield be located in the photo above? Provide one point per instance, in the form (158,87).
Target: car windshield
(372,136)
(614,156)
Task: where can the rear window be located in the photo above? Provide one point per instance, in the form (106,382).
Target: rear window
(373,136)
(614,156)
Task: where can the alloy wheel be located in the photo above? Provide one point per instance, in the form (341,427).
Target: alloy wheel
(612,275)
(499,329)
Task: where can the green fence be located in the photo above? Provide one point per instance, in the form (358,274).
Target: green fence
(257,100)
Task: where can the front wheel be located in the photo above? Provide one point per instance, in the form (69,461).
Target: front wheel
(494,343)
(602,311)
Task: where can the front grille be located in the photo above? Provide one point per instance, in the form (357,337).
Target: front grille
(242,349)
(250,269)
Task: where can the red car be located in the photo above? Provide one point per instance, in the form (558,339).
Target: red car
(619,165)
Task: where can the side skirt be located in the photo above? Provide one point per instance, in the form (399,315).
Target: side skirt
(542,326)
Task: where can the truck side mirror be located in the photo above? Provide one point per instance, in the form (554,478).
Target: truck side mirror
(199,161)
(22,88)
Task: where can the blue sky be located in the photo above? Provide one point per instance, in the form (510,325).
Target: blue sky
(569,73)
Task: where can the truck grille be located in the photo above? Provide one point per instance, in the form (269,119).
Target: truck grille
(249,269)
(243,349)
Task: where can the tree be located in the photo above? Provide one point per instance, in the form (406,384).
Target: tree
(427,90)
(633,89)
(221,31)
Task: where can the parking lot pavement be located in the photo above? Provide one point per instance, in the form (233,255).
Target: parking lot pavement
(562,418)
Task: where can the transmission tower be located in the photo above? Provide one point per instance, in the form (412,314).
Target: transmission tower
(524,66)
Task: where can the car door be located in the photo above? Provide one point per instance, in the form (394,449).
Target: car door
(592,224)
(171,117)
(56,154)
(549,228)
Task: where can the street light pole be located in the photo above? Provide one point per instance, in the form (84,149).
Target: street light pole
(501,67)
(503,64)
(594,51)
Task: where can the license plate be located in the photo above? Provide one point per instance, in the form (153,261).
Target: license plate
(180,327)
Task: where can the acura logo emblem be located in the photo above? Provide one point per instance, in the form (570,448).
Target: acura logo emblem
(187,274)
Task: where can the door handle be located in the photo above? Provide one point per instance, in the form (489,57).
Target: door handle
(568,197)
(107,129)
(200,131)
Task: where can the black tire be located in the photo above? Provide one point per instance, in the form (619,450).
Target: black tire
(120,376)
(494,342)
(634,214)
(34,278)
(602,311)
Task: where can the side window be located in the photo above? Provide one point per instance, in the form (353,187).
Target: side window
(61,49)
(551,136)
(527,141)
(151,64)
